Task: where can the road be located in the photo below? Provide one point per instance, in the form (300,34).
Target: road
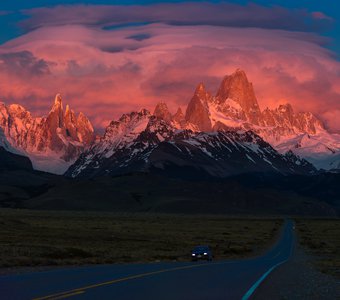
(230,279)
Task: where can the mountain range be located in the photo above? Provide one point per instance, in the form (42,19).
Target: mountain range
(217,136)
(146,143)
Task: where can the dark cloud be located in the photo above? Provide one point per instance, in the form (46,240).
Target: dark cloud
(139,37)
(115,49)
(187,13)
(23,62)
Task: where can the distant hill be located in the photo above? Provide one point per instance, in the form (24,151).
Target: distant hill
(255,194)
(19,181)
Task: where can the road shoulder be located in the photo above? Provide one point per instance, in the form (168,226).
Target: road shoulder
(298,279)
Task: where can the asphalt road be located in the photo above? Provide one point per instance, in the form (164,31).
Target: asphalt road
(232,279)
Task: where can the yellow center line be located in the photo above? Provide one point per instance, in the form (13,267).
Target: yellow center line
(82,290)
(68,295)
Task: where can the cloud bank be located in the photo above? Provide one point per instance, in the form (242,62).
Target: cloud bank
(105,69)
(185,13)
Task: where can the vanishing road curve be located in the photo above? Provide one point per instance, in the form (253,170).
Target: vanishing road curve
(232,279)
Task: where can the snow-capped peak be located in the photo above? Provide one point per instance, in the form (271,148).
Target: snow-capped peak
(235,107)
(58,100)
(52,142)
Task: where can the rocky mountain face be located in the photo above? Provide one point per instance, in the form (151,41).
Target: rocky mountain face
(144,142)
(53,142)
(219,135)
(197,112)
(236,98)
(235,107)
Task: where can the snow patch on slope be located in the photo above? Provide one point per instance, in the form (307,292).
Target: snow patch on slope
(322,149)
(218,116)
(50,163)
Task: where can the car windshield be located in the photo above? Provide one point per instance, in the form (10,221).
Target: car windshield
(201,248)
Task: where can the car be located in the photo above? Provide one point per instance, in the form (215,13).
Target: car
(201,252)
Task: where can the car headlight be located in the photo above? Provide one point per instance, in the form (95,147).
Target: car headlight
(193,254)
(205,253)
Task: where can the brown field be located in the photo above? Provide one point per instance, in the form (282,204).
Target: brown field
(321,238)
(41,238)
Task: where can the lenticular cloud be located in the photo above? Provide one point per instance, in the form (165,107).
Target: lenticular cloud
(108,72)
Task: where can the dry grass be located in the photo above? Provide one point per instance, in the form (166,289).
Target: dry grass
(321,238)
(32,238)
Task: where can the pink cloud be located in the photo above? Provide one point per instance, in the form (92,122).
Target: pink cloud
(333,118)
(107,73)
(4,12)
(321,16)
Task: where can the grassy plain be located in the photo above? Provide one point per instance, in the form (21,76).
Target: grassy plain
(40,238)
(321,238)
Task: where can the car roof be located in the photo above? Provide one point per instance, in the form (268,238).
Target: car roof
(201,247)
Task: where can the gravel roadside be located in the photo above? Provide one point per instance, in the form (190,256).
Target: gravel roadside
(298,279)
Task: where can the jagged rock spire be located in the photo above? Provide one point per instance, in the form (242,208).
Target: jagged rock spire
(237,87)
(197,112)
(55,118)
(85,131)
(179,113)
(162,112)
(58,99)
(179,118)
(200,88)
(67,109)
(202,93)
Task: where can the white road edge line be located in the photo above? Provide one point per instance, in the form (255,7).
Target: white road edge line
(248,294)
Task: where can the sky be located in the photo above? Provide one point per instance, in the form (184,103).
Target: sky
(111,57)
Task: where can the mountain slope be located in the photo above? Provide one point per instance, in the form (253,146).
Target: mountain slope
(10,161)
(235,107)
(143,142)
